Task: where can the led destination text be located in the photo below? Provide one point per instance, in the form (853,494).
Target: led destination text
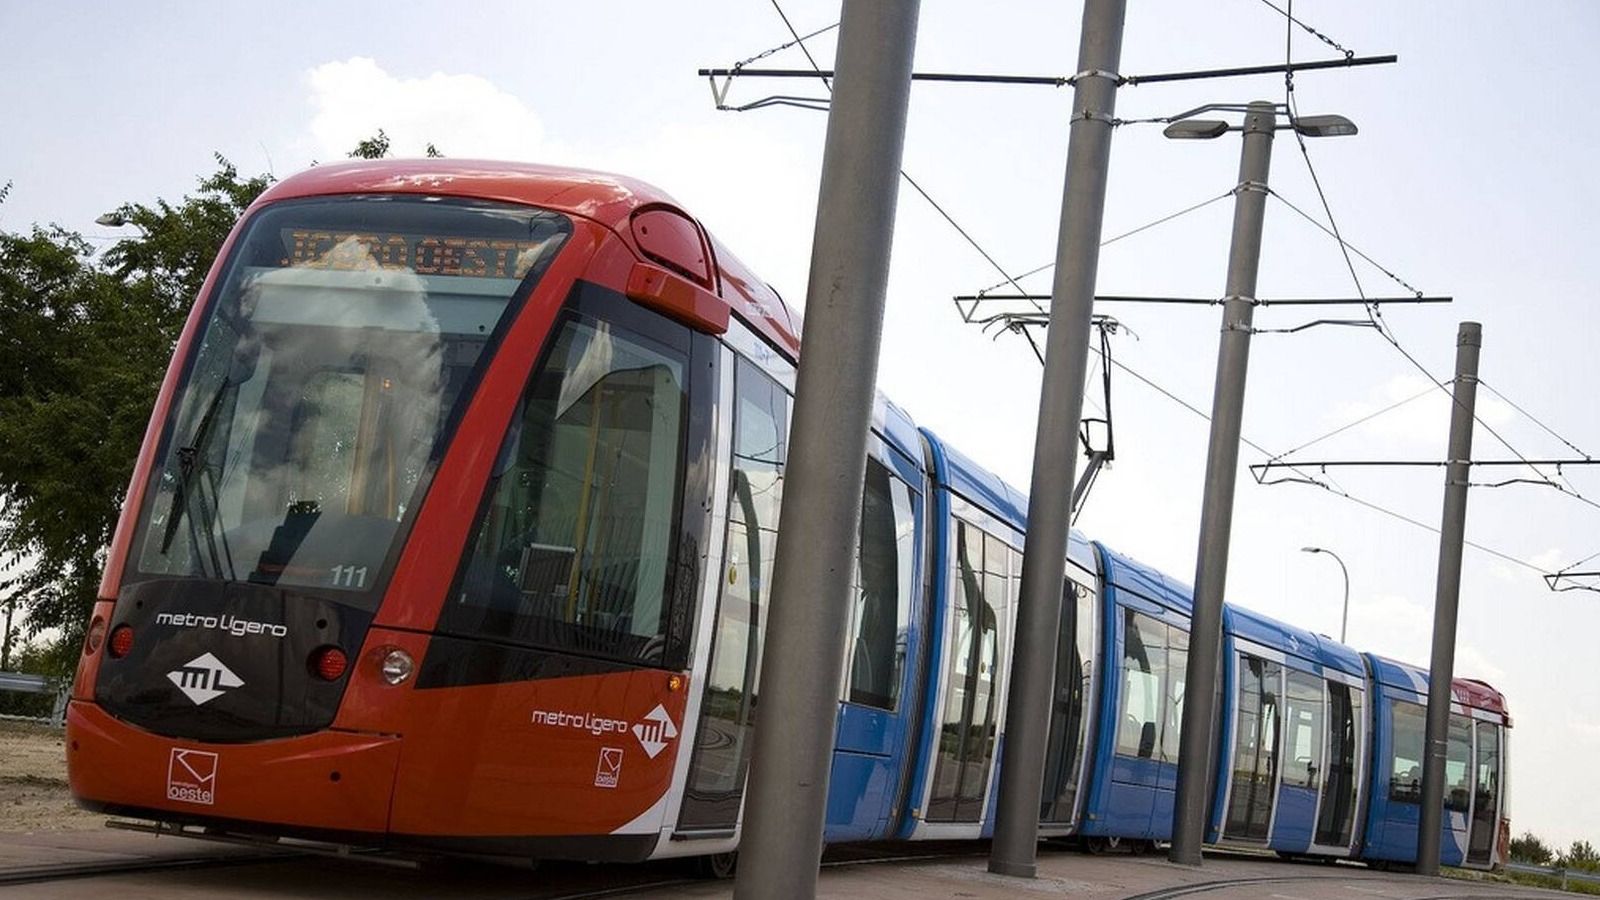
(423,254)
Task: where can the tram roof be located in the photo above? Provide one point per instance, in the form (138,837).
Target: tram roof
(1466,691)
(1293,640)
(609,200)
(958,472)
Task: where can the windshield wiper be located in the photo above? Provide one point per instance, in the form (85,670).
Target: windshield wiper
(190,457)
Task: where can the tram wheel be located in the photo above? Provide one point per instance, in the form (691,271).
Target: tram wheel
(715,866)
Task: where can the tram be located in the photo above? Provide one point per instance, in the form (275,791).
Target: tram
(453,529)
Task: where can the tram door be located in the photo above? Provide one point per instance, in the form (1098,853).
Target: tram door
(1069,718)
(1255,750)
(1485,828)
(1341,786)
(1303,768)
(967,727)
(715,786)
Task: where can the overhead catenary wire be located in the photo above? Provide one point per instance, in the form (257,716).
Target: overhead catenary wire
(800,42)
(1009,279)
(1126,234)
(1375,315)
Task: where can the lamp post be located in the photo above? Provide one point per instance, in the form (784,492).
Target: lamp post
(1344,619)
(1198,732)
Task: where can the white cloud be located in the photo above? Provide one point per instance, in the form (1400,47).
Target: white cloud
(463,115)
(1423,422)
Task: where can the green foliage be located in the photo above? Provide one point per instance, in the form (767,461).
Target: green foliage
(1581,855)
(375,147)
(87,338)
(1528,848)
(379,146)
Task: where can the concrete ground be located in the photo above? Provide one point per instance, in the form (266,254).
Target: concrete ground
(1110,877)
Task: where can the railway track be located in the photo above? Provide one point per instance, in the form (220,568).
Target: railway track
(69,871)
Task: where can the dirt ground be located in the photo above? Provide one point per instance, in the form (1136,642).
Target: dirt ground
(33,781)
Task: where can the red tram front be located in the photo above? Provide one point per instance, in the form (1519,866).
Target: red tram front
(415,542)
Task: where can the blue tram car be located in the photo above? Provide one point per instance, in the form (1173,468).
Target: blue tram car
(494,460)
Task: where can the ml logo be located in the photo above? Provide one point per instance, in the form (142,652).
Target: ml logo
(656,731)
(204,678)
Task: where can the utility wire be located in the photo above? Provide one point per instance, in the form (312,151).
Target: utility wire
(1288,14)
(1333,488)
(1374,314)
(1364,419)
(1112,240)
(798,40)
(1535,419)
(781,47)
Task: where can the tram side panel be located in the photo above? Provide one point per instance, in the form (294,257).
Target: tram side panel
(1474,822)
(1145,621)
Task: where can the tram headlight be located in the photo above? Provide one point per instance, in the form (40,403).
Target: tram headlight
(397,666)
(97,633)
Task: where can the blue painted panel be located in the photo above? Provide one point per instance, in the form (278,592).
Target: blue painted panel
(1127,574)
(1161,810)
(1226,714)
(1296,817)
(899,430)
(1314,652)
(857,792)
(1127,812)
(981,486)
(1392,674)
(935,510)
(863,729)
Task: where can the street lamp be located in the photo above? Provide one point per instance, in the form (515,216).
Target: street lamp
(1344,619)
(111,220)
(1260,120)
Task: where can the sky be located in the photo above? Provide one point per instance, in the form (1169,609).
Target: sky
(1472,177)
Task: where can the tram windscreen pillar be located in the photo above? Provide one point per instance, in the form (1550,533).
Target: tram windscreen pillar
(1055,455)
(1447,596)
(1200,707)
(801,674)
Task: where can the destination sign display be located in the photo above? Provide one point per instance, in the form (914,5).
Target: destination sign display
(424,254)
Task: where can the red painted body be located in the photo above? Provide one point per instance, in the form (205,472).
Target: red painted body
(461,761)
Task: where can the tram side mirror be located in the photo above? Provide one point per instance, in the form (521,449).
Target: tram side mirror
(1147,740)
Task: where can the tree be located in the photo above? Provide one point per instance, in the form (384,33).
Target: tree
(1581,855)
(1530,849)
(86,338)
(379,145)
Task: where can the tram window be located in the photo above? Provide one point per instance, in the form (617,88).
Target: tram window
(330,408)
(1302,764)
(1458,765)
(576,540)
(1488,779)
(1177,672)
(1143,668)
(1409,725)
(882,589)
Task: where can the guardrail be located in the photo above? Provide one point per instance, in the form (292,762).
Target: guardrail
(19,683)
(1559,872)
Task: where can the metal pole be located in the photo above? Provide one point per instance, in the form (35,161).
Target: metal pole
(792,754)
(1016,831)
(1344,618)
(1200,705)
(1452,532)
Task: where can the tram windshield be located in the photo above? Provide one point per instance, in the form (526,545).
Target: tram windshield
(333,359)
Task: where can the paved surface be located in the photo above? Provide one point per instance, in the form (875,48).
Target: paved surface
(225,871)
